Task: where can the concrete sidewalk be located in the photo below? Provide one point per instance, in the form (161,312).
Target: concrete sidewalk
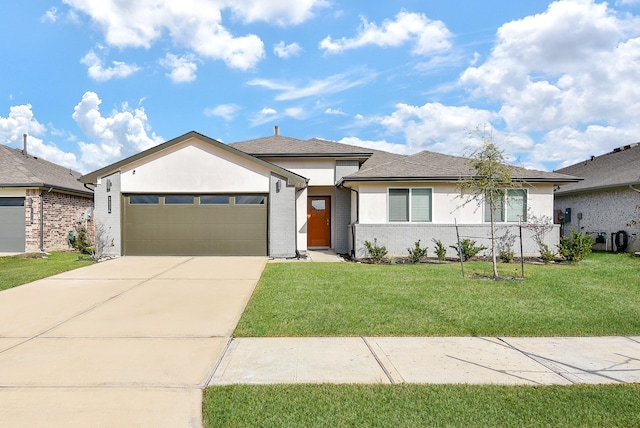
(437,360)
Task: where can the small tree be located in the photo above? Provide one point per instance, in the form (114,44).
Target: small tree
(488,184)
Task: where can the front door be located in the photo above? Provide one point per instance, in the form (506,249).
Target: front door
(319,221)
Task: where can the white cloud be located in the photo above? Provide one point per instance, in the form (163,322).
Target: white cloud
(267,111)
(282,12)
(51,15)
(98,72)
(334,111)
(402,149)
(428,36)
(330,85)
(21,120)
(194,24)
(121,134)
(225,111)
(182,69)
(295,112)
(287,51)
(569,73)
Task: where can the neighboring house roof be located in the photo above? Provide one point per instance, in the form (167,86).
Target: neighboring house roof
(619,168)
(293,178)
(18,170)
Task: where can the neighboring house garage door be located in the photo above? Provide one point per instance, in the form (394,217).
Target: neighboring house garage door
(225,225)
(12,217)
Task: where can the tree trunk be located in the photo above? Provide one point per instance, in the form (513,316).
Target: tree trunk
(493,242)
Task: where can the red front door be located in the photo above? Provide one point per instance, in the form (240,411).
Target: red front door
(318,221)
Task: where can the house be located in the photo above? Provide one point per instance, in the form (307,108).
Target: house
(606,204)
(280,196)
(40,202)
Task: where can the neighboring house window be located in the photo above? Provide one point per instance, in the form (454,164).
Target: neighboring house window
(250,200)
(412,205)
(512,207)
(178,200)
(214,200)
(144,199)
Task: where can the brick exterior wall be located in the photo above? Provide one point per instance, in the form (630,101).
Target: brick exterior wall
(342,241)
(398,237)
(62,213)
(603,212)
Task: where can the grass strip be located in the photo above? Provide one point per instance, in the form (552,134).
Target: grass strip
(18,270)
(410,405)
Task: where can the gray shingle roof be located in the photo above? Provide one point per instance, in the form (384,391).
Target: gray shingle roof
(280,146)
(16,170)
(380,165)
(618,168)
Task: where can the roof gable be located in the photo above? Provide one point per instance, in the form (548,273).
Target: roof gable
(618,168)
(18,170)
(280,146)
(293,178)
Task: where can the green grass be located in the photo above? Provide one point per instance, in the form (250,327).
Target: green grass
(18,270)
(600,296)
(409,405)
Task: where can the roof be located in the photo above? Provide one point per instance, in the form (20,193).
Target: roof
(619,168)
(17,170)
(280,146)
(383,166)
(432,166)
(293,178)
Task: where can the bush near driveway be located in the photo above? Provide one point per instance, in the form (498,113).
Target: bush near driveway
(18,270)
(598,297)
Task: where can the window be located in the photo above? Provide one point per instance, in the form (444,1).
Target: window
(514,210)
(178,200)
(11,202)
(412,205)
(144,199)
(214,200)
(250,200)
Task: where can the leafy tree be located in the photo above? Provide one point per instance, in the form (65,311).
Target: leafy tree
(488,184)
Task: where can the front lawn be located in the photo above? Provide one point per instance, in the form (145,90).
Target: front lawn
(598,297)
(409,405)
(18,270)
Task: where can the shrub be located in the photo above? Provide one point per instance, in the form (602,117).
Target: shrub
(81,242)
(417,253)
(545,253)
(468,249)
(376,252)
(441,250)
(576,247)
(505,247)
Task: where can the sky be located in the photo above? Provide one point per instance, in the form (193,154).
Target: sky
(94,81)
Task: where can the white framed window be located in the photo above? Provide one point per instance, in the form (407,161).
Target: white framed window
(410,204)
(511,208)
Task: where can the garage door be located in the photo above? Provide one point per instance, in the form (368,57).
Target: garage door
(12,225)
(224,225)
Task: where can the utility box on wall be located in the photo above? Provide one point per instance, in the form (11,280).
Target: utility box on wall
(567,215)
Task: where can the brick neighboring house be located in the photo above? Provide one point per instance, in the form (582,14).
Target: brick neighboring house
(607,201)
(40,202)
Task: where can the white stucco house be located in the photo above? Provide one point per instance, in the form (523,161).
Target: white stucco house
(279,196)
(606,204)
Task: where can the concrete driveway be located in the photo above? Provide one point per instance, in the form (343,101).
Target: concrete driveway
(127,342)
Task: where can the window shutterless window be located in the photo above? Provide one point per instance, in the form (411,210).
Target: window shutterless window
(512,206)
(410,205)
(250,200)
(144,199)
(214,200)
(178,200)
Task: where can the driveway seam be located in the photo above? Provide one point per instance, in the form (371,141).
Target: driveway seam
(92,307)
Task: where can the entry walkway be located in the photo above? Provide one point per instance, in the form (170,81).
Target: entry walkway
(473,360)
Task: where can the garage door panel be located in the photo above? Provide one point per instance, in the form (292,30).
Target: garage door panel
(161,229)
(12,225)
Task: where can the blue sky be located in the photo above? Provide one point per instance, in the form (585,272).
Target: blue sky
(94,81)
